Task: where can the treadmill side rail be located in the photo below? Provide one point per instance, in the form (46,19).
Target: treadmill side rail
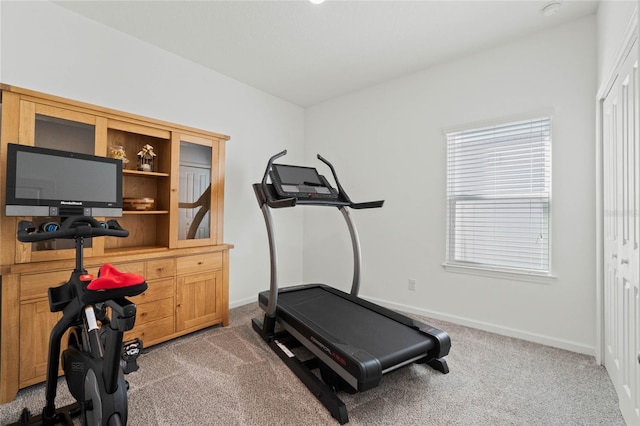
(322,391)
(442,340)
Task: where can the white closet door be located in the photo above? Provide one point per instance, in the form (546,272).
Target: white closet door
(621,236)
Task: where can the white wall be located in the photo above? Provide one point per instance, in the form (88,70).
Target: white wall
(50,49)
(387,142)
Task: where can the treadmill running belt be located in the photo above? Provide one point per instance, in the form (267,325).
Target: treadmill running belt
(342,321)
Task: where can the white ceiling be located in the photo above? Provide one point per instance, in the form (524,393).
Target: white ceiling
(306,53)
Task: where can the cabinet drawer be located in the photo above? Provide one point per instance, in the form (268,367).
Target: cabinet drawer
(34,286)
(134,267)
(160,268)
(157,289)
(147,312)
(199,262)
(152,332)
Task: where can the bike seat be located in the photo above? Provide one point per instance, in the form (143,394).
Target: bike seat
(112,283)
(109,278)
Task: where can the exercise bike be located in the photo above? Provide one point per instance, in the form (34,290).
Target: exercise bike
(92,362)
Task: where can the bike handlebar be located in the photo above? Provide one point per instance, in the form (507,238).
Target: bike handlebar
(71,228)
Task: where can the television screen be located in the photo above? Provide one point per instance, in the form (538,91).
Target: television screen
(47,182)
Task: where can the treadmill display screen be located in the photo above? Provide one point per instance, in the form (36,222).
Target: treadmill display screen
(303,183)
(296,175)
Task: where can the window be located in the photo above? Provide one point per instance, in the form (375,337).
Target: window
(499,195)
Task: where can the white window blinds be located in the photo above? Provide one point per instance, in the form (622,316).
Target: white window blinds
(499,194)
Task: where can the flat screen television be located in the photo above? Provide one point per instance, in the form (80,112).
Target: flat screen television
(52,183)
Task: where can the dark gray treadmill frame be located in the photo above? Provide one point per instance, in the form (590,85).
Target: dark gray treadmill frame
(355,367)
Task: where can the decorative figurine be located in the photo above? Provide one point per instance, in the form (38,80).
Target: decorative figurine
(117,152)
(145,158)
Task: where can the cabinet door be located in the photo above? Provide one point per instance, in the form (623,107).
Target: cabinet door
(36,322)
(199,191)
(53,127)
(62,129)
(199,300)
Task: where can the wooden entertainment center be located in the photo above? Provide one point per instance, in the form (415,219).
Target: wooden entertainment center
(175,241)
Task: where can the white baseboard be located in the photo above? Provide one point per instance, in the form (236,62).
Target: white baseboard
(493,328)
(242,302)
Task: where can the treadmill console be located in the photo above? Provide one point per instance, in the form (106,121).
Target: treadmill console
(301,183)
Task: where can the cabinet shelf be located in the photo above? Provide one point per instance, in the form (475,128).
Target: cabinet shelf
(141,173)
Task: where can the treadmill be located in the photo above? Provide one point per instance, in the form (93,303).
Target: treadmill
(351,343)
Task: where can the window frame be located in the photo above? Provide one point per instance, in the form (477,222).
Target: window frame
(484,269)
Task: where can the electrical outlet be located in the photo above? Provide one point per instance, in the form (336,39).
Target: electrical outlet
(412,284)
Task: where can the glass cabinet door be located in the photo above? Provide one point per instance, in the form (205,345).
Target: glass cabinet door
(195,225)
(64,135)
(55,128)
(58,128)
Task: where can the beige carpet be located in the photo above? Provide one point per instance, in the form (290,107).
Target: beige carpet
(229,376)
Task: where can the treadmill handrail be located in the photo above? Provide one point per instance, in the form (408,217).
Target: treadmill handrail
(367,205)
(341,190)
(272,202)
(267,198)
(270,163)
(343,197)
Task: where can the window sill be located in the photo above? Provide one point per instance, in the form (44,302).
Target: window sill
(502,273)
